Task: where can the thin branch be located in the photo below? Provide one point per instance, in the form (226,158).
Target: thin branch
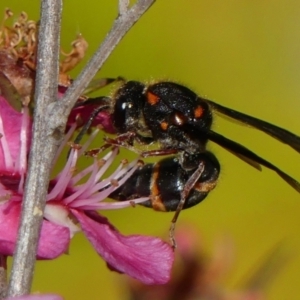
(43,148)
(122,24)
(123,6)
(49,123)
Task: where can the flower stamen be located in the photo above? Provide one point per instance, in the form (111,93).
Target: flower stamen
(64,177)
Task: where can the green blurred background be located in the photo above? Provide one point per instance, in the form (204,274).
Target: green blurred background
(242,54)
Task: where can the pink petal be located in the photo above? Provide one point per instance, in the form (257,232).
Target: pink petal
(54,239)
(12,121)
(9,219)
(145,258)
(36,297)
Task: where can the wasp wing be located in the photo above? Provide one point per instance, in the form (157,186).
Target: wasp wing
(250,157)
(276,132)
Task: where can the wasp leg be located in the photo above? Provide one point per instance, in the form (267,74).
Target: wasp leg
(123,140)
(183,196)
(159,152)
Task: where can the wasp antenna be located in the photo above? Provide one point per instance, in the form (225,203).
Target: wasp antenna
(281,134)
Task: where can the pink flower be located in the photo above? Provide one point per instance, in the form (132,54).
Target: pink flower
(72,206)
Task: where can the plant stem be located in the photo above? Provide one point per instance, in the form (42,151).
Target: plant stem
(43,148)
